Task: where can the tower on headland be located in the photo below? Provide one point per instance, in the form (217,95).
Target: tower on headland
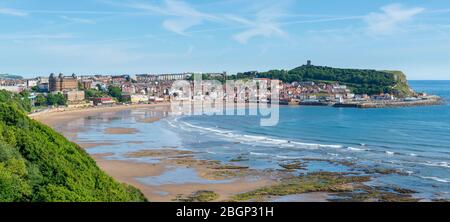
(308,63)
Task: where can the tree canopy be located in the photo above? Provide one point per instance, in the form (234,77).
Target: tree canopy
(56,99)
(94,93)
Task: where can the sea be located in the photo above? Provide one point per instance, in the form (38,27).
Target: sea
(413,142)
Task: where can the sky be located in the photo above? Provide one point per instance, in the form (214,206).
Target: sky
(38,37)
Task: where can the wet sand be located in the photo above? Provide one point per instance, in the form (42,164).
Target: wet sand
(305,197)
(92,145)
(241,180)
(53,117)
(151,120)
(128,172)
(120,130)
(225,191)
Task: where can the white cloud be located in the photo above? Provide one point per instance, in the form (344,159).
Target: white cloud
(260,29)
(12,12)
(265,24)
(181,17)
(190,50)
(180,25)
(185,15)
(391,18)
(78,20)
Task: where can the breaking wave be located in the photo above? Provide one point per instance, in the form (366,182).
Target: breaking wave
(442,180)
(259,140)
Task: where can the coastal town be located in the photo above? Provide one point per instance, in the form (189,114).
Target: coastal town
(77,91)
(224,109)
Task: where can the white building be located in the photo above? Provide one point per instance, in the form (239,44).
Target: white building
(32,83)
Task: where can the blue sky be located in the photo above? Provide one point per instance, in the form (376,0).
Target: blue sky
(38,37)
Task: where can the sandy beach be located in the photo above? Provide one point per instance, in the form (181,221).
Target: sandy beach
(127,172)
(126,144)
(120,130)
(51,117)
(224,180)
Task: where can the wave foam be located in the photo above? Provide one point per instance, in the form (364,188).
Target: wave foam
(442,180)
(390,153)
(438,164)
(259,154)
(355,149)
(262,140)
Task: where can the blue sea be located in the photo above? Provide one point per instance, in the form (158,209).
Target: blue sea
(414,141)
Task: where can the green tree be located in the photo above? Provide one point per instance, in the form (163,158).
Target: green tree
(40,100)
(56,99)
(114,91)
(35,89)
(93,93)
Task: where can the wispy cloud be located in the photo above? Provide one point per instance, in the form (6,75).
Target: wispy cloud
(77,20)
(390,18)
(183,16)
(264,24)
(258,28)
(260,19)
(12,12)
(190,50)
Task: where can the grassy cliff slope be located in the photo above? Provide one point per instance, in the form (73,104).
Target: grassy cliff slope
(39,164)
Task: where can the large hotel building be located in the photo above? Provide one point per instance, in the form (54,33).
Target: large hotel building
(61,83)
